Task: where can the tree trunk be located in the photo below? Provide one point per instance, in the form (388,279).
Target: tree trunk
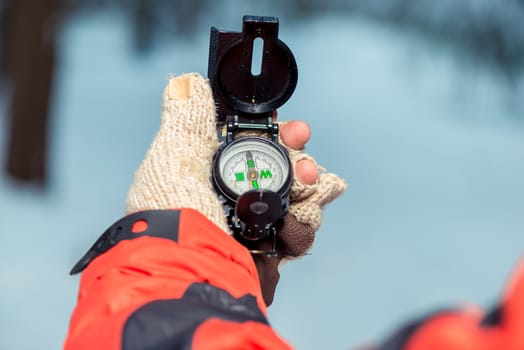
(29,58)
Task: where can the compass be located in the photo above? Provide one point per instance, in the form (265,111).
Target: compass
(251,174)
(252,163)
(255,175)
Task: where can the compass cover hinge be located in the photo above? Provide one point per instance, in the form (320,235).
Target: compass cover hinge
(236,124)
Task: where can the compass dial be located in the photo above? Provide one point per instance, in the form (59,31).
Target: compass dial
(253,164)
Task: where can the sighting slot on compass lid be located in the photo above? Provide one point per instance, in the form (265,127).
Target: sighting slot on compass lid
(236,89)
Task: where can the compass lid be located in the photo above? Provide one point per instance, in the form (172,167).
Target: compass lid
(236,89)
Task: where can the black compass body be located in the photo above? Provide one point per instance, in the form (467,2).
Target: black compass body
(252,174)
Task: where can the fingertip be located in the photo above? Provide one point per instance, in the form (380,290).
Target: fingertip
(295,134)
(178,88)
(306,172)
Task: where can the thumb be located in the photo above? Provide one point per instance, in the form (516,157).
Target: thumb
(176,170)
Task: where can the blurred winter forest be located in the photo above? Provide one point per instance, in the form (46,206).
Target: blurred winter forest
(484,32)
(418,104)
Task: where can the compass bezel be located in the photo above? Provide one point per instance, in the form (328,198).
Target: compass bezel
(225,190)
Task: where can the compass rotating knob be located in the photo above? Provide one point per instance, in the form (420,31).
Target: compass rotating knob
(257,211)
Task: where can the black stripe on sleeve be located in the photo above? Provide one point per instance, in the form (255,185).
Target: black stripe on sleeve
(171,324)
(160,223)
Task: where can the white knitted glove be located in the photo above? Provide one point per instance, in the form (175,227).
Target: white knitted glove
(176,170)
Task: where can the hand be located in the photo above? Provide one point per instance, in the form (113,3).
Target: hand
(310,192)
(175,173)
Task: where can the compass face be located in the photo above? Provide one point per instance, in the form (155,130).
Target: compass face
(253,164)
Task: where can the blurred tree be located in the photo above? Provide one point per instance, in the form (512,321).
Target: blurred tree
(28,61)
(486,31)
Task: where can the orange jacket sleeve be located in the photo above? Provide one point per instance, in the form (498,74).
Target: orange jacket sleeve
(469,329)
(169,279)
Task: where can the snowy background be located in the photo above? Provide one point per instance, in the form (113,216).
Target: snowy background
(431,145)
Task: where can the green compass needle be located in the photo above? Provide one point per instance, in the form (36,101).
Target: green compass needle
(252,172)
(250,161)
